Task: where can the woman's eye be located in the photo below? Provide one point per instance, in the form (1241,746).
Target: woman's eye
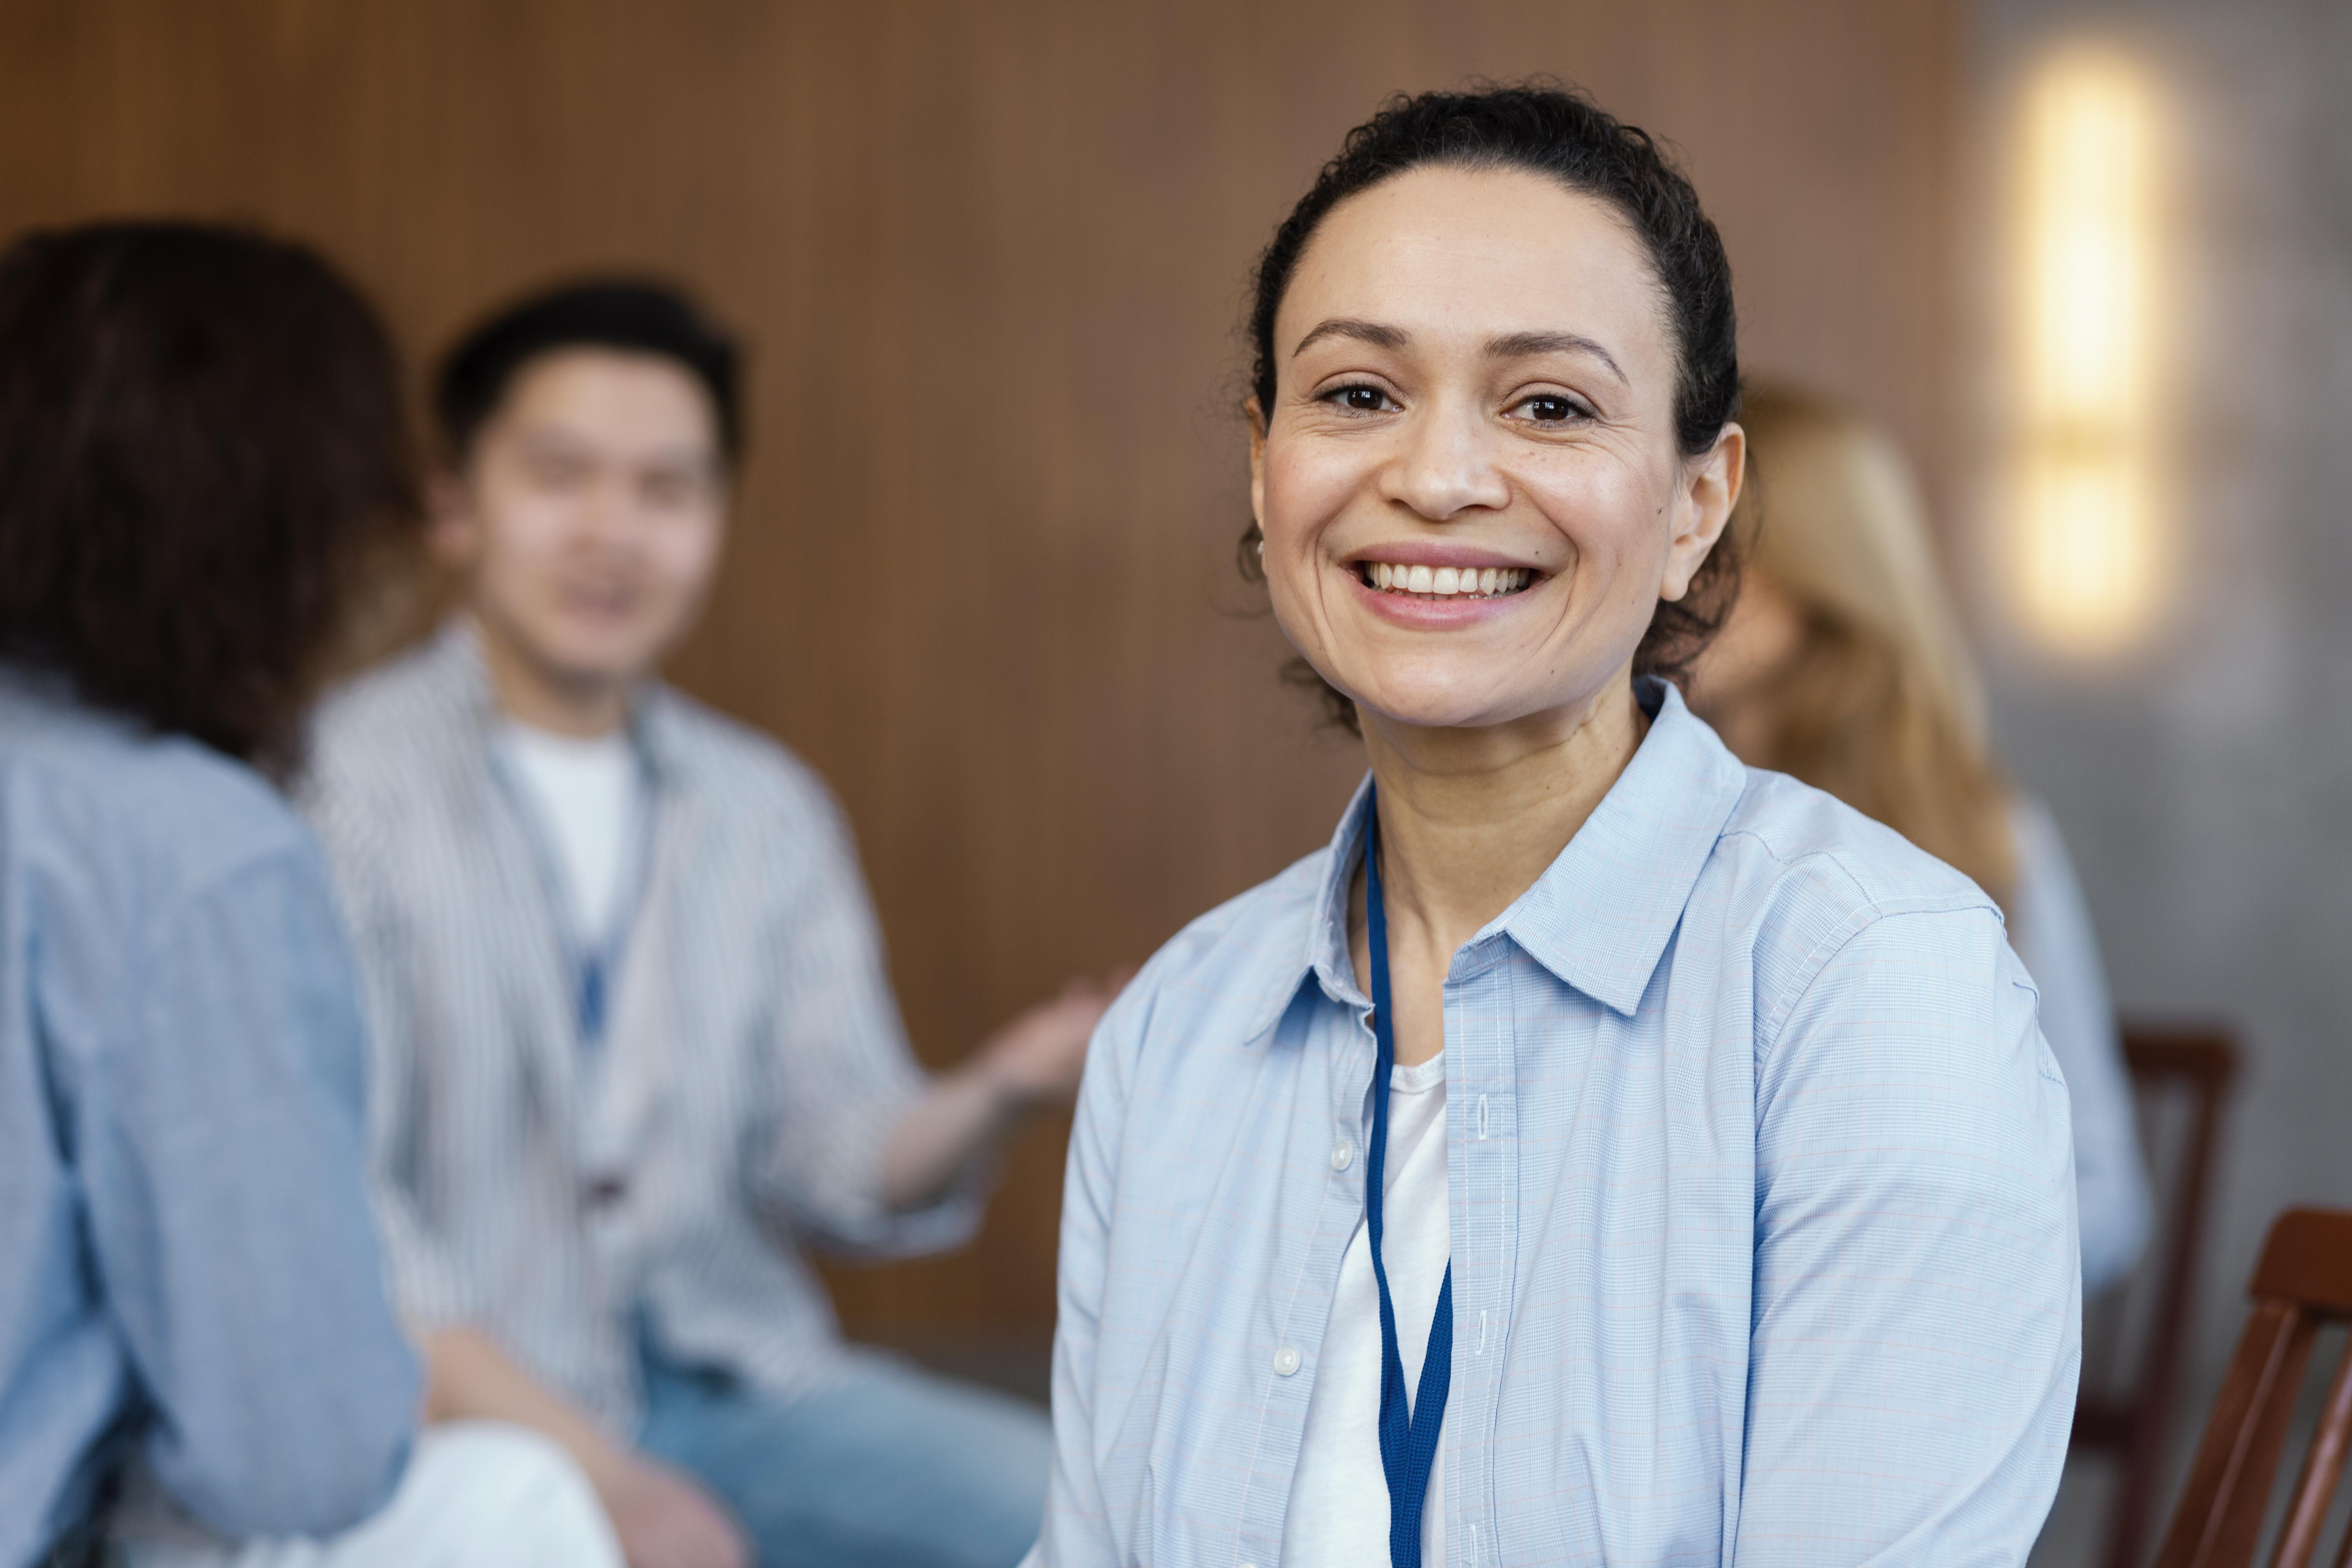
(1545,409)
(1362,399)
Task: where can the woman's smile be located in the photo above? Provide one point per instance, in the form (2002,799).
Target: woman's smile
(1435,587)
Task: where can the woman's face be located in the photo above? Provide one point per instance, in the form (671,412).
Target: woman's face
(1469,483)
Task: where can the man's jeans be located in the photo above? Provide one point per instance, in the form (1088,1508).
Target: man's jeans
(892,1468)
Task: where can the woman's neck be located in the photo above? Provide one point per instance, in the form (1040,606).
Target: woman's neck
(1470,819)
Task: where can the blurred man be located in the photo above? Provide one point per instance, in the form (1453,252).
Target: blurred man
(634,1042)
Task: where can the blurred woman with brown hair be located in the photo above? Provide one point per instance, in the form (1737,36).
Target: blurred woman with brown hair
(1843,664)
(201,444)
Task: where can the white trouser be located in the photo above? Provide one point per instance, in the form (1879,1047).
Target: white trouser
(475,1495)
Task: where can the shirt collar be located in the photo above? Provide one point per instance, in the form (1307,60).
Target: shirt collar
(1328,954)
(1601,915)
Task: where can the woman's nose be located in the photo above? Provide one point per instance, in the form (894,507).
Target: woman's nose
(1446,465)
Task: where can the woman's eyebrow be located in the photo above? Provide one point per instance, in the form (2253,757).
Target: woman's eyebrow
(1372,333)
(1518,345)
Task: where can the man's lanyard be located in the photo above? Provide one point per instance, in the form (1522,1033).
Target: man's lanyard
(596,956)
(1408,1432)
(591,959)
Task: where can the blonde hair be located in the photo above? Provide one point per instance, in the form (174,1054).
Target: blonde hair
(1880,705)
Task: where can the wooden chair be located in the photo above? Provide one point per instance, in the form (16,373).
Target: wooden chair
(2303,1283)
(2131,1415)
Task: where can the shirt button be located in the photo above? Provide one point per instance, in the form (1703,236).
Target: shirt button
(1343,1154)
(1286,1360)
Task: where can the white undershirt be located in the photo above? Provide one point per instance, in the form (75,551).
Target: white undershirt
(586,794)
(1339,1514)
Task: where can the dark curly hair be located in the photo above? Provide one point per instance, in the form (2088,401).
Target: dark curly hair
(1546,129)
(201,438)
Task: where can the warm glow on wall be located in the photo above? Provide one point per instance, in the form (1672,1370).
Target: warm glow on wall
(2086,558)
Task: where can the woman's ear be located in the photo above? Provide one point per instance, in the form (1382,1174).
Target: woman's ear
(1258,461)
(1709,490)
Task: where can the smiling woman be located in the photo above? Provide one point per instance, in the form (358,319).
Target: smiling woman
(1600,1151)
(1648,204)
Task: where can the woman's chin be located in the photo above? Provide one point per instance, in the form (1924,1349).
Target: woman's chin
(1446,707)
(1428,699)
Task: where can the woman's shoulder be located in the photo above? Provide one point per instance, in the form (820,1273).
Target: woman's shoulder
(1798,877)
(1805,842)
(1266,927)
(1862,949)
(2042,857)
(1231,971)
(152,811)
(2051,920)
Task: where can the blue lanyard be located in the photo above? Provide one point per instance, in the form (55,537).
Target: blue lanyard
(1408,1432)
(599,953)
(591,957)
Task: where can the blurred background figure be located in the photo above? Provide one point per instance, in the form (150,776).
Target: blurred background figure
(1842,663)
(200,437)
(635,1047)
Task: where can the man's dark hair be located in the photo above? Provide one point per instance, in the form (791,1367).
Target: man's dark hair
(201,438)
(631,315)
(1546,129)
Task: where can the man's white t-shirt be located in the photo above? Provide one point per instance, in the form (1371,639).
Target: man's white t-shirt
(587,795)
(1339,1514)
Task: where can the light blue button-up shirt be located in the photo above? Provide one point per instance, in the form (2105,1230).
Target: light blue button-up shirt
(188,1271)
(1762,1213)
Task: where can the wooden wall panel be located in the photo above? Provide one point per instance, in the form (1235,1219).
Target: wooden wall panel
(989,257)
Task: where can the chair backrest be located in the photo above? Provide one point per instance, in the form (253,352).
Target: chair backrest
(2131,1412)
(2303,1283)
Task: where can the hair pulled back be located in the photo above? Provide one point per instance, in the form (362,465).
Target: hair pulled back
(1546,129)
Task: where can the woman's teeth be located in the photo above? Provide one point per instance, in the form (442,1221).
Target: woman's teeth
(1444,581)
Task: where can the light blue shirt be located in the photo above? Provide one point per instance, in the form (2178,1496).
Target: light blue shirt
(188,1271)
(1762,1214)
(2050,926)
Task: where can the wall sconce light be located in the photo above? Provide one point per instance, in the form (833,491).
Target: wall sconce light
(2086,557)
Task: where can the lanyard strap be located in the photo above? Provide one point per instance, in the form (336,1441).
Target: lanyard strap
(1408,1432)
(592,957)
